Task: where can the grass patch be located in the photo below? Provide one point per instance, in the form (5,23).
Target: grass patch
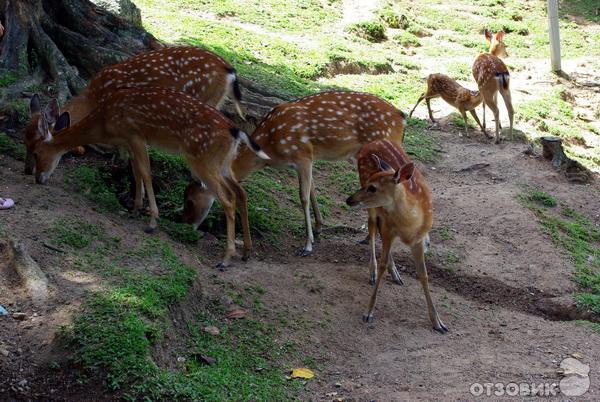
(120,324)
(577,235)
(8,79)
(92,181)
(406,39)
(181,232)
(76,233)
(417,142)
(12,148)
(373,31)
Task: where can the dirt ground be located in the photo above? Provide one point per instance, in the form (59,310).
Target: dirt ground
(506,299)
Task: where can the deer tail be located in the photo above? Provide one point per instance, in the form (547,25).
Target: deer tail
(246,139)
(503,79)
(235,90)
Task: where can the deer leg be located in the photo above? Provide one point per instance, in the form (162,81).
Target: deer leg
(394,271)
(464,116)
(140,157)
(418,252)
(242,201)
(227,200)
(509,107)
(139,187)
(371,237)
(417,104)
(490,101)
(385,251)
(315,208)
(428,102)
(305,179)
(476,119)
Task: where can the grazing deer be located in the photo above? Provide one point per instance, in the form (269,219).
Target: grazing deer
(136,117)
(492,76)
(197,72)
(329,125)
(440,85)
(394,189)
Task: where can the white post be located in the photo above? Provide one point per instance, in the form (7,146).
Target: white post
(554,34)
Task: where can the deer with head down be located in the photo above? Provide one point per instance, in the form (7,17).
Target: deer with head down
(329,125)
(395,190)
(133,118)
(199,73)
(492,76)
(465,100)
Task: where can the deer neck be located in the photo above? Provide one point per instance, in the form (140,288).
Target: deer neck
(245,163)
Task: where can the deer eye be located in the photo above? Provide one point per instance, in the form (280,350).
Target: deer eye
(371,189)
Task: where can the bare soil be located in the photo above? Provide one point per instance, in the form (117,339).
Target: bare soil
(505,294)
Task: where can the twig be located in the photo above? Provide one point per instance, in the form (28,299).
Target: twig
(51,247)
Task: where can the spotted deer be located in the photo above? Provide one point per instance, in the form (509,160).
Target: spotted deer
(197,72)
(329,125)
(135,117)
(395,190)
(440,85)
(492,76)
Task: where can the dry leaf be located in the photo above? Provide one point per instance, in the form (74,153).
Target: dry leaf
(302,372)
(212,330)
(236,313)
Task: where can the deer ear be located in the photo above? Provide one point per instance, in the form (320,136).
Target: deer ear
(406,173)
(34,105)
(52,111)
(381,164)
(63,121)
(42,129)
(488,35)
(499,36)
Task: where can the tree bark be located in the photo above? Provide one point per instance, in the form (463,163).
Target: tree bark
(552,150)
(69,40)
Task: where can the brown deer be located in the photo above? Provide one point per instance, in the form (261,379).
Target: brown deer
(197,72)
(135,117)
(440,85)
(394,189)
(492,76)
(329,125)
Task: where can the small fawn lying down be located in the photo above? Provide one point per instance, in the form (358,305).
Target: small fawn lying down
(402,204)
(135,117)
(465,100)
(331,125)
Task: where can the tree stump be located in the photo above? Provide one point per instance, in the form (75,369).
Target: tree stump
(552,150)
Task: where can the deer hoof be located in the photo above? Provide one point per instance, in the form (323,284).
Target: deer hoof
(367,318)
(150,229)
(398,281)
(304,253)
(222,265)
(441,328)
(246,255)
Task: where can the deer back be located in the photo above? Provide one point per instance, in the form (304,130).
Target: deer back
(329,125)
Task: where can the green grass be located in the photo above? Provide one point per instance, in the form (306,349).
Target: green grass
(92,182)
(76,233)
(417,142)
(120,324)
(8,79)
(373,31)
(577,236)
(10,147)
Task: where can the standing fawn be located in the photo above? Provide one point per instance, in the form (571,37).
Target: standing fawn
(197,72)
(329,125)
(174,121)
(440,85)
(395,189)
(492,77)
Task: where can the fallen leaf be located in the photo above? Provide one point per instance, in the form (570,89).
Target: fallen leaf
(212,330)
(302,372)
(577,355)
(236,313)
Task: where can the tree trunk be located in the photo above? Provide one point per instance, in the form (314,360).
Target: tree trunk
(552,150)
(69,40)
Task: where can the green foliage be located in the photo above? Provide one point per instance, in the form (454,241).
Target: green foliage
(373,31)
(75,232)
(407,39)
(92,182)
(10,147)
(181,232)
(7,79)
(417,142)
(587,9)
(577,235)
(19,108)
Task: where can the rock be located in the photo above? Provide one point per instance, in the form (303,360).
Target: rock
(19,316)
(123,8)
(338,385)
(4,352)
(180,359)
(205,359)
(212,330)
